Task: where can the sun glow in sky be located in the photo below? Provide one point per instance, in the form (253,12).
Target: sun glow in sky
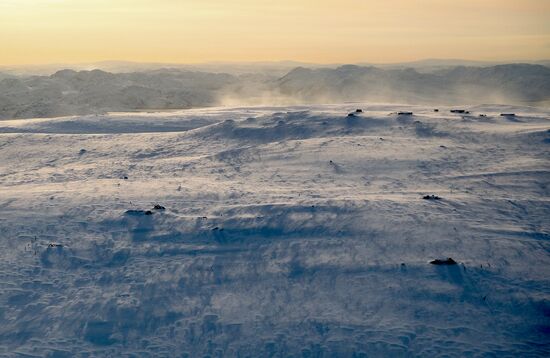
(322,31)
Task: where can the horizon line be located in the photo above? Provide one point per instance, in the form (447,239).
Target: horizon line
(260,62)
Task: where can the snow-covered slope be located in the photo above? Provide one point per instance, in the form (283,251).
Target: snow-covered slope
(293,231)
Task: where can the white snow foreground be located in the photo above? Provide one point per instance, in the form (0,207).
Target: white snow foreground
(293,231)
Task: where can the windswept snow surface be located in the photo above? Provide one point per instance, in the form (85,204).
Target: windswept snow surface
(295,231)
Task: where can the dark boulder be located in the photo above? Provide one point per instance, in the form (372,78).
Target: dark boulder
(431,197)
(449,261)
(138,212)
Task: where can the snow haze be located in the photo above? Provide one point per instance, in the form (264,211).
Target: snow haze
(69,92)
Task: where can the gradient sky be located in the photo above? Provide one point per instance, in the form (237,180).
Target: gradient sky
(322,31)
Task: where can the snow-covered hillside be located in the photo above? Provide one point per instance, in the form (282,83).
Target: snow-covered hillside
(296,231)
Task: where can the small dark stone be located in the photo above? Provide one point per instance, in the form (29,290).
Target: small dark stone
(125,177)
(136,212)
(359,110)
(448,261)
(159,207)
(431,197)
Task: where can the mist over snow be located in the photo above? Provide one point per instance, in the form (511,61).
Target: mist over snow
(69,92)
(275,231)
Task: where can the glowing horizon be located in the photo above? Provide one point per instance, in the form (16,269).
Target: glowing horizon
(344,31)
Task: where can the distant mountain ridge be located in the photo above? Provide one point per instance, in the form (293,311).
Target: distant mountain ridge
(69,92)
(523,83)
(276,68)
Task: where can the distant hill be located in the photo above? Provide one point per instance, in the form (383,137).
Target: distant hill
(69,92)
(495,84)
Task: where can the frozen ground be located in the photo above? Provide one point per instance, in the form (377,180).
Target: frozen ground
(291,231)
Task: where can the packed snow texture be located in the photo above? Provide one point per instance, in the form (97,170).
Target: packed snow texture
(296,231)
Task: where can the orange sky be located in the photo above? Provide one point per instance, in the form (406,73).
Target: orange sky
(322,31)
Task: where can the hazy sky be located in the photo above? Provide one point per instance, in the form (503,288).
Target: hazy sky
(324,31)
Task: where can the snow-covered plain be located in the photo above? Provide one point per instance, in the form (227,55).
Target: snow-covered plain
(293,231)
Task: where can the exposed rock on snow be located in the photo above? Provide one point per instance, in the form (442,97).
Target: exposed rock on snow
(431,197)
(446,262)
(139,212)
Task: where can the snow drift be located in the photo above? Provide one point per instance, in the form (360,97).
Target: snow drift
(291,231)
